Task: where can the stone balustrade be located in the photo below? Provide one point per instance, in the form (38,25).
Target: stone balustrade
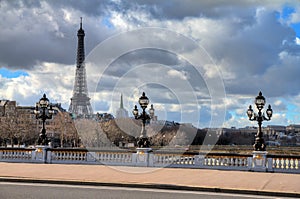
(166,160)
(66,156)
(225,161)
(17,155)
(112,157)
(284,163)
(221,161)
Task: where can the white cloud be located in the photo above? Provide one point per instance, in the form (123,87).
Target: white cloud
(56,80)
(244,39)
(177,74)
(295,17)
(238,122)
(297,40)
(278,102)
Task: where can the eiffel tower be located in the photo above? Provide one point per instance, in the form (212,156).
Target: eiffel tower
(80,102)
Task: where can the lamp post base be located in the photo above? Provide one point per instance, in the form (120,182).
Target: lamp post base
(41,153)
(143,142)
(142,157)
(259,144)
(259,161)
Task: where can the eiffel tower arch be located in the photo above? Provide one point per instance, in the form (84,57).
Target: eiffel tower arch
(80,102)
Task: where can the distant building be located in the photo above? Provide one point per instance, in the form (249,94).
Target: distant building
(273,130)
(104,117)
(122,112)
(293,128)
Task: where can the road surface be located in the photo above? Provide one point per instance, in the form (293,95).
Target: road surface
(47,191)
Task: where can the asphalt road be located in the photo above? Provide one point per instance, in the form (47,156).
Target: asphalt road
(47,191)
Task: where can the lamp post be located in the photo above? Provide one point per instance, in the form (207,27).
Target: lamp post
(260,101)
(143,101)
(43,110)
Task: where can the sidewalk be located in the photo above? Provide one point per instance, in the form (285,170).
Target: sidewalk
(276,184)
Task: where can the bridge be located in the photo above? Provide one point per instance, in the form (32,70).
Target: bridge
(171,159)
(217,172)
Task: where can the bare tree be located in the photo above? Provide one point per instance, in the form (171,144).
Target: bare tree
(64,126)
(17,128)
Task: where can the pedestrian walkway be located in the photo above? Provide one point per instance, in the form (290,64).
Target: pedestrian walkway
(176,178)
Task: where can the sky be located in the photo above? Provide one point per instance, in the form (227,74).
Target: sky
(200,62)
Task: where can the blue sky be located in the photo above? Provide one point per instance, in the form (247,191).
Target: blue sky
(252,45)
(296,27)
(287,11)
(4,72)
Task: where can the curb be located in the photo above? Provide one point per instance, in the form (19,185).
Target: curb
(153,186)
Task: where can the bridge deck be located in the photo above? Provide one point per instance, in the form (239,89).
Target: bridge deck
(189,178)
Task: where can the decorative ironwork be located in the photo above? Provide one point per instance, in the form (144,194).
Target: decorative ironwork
(43,110)
(143,141)
(260,102)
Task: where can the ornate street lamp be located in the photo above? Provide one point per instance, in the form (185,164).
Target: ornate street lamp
(143,101)
(43,110)
(260,102)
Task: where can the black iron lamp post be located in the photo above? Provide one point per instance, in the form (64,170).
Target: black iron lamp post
(260,102)
(43,110)
(143,101)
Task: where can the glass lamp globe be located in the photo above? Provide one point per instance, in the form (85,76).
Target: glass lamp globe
(144,101)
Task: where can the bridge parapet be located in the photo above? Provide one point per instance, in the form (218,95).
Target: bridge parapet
(17,154)
(221,161)
(284,163)
(225,161)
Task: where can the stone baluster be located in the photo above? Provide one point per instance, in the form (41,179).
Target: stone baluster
(100,157)
(275,163)
(81,156)
(293,163)
(289,164)
(237,162)
(120,157)
(205,161)
(221,161)
(283,162)
(232,161)
(279,163)
(241,162)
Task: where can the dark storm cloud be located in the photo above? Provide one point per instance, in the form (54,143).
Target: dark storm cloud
(250,50)
(178,9)
(256,48)
(27,50)
(254,56)
(22,4)
(38,31)
(130,61)
(246,39)
(94,8)
(139,57)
